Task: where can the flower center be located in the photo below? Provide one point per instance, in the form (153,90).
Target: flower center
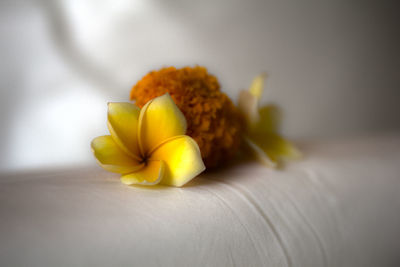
(144,160)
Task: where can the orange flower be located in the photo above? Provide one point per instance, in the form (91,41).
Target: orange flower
(213,121)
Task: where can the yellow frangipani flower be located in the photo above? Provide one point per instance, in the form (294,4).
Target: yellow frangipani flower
(148,146)
(262,127)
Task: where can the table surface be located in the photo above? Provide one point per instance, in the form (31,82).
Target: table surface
(339,206)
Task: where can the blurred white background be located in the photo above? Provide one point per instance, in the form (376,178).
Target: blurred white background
(334,66)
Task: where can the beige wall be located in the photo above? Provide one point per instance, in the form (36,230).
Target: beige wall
(333,65)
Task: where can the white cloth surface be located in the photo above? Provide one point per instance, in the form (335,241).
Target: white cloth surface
(339,206)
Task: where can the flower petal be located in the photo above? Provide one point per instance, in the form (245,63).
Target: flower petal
(270,147)
(111,157)
(123,126)
(183,160)
(151,174)
(159,120)
(248,105)
(259,153)
(248,100)
(269,120)
(257,86)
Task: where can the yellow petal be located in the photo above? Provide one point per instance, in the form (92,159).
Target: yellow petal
(123,125)
(111,157)
(248,105)
(269,120)
(260,155)
(273,146)
(248,100)
(183,160)
(257,86)
(150,174)
(159,120)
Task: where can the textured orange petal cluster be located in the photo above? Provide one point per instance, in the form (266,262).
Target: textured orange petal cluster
(213,121)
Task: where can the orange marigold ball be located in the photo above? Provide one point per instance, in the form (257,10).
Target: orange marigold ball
(212,119)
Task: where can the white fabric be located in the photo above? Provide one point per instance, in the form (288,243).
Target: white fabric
(337,207)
